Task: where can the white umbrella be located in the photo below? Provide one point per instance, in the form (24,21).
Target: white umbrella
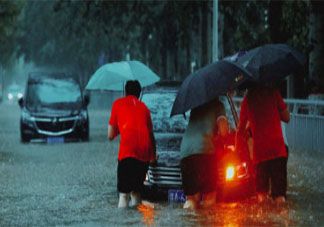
(112,76)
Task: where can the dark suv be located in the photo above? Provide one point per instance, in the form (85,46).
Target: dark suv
(53,109)
(163,181)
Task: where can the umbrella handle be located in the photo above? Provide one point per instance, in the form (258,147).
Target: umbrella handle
(230,101)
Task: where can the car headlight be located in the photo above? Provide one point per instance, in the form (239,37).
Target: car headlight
(10,96)
(20,95)
(27,118)
(83,116)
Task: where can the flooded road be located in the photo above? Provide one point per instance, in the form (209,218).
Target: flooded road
(74,184)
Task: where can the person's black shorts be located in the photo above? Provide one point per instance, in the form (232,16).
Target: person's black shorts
(131,175)
(274,172)
(199,173)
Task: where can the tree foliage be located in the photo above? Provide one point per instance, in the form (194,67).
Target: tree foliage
(245,25)
(9,29)
(166,35)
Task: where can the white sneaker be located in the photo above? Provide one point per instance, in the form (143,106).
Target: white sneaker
(192,201)
(123,200)
(135,199)
(190,204)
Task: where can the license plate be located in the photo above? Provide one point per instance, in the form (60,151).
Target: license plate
(176,196)
(54,140)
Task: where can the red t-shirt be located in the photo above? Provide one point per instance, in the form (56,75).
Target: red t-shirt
(133,120)
(262,109)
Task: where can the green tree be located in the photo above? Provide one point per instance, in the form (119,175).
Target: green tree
(245,25)
(166,35)
(9,29)
(288,23)
(316,42)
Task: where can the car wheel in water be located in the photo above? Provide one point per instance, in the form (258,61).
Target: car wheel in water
(85,136)
(85,133)
(24,138)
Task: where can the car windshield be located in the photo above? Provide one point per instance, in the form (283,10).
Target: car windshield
(53,93)
(160,105)
(229,113)
(14,89)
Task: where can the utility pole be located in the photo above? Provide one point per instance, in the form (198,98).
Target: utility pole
(215,30)
(290,87)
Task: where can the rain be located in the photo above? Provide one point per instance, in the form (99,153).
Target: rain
(60,180)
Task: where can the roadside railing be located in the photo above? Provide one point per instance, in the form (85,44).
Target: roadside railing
(305,131)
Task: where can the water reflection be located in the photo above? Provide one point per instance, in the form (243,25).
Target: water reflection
(245,213)
(75,185)
(147,210)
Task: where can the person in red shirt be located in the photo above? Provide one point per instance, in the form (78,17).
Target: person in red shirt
(264,109)
(132,120)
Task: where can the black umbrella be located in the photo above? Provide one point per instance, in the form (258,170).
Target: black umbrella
(207,83)
(272,62)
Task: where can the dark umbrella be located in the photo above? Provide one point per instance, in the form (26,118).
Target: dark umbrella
(207,83)
(272,62)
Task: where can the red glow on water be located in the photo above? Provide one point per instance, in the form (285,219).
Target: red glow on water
(148,214)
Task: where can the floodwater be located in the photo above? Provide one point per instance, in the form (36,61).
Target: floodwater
(74,184)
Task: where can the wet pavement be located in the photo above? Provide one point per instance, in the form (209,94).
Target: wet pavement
(74,184)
